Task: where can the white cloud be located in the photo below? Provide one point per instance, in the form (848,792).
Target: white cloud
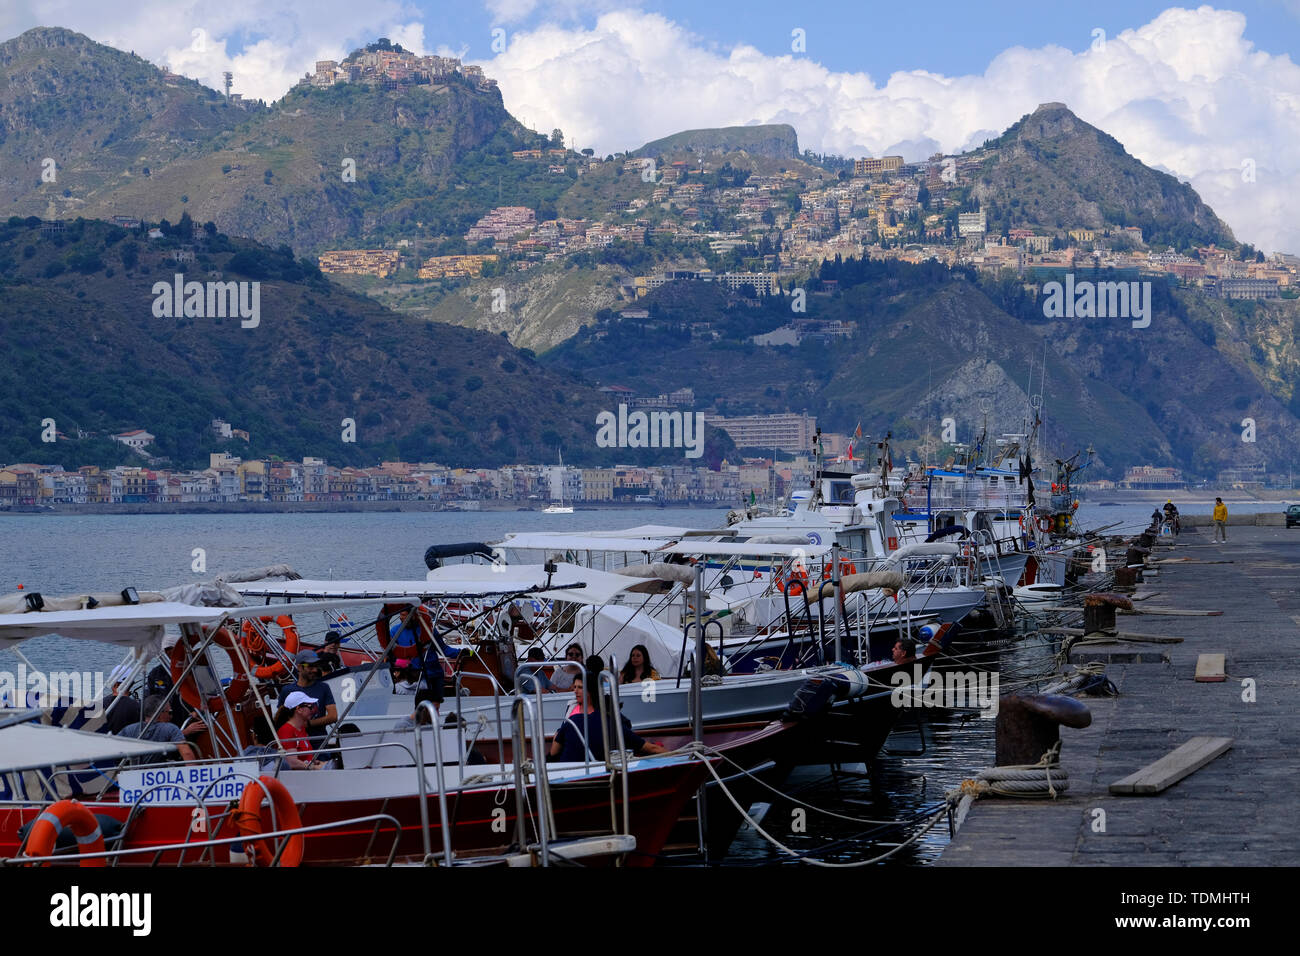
(267,44)
(1185,93)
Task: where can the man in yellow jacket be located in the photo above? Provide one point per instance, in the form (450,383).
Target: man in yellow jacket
(1220,520)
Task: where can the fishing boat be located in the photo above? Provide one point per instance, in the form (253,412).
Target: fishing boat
(375,810)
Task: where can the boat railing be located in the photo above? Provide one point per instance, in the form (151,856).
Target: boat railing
(521,714)
(687,628)
(496,706)
(426,706)
(608,709)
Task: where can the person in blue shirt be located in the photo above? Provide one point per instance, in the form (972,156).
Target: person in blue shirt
(535,677)
(567,747)
(407,636)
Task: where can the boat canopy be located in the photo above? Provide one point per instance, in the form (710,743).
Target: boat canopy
(131,625)
(33,746)
(561,543)
(746,549)
(931,549)
(569,583)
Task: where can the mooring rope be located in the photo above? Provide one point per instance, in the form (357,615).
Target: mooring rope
(1042,779)
(812,861)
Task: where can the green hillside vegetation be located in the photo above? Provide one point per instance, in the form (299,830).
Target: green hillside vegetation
(53,82)
(1053,171)
(932,343)
(777,140)
(84,348)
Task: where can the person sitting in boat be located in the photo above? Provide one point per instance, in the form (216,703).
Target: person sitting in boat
(535,677)
(309,682)
(125,708)
(563,677)
(407,637)
(638,667)
(328,654)
(904,649)
(156,725)
(519,628)
(567,747)
(406,676)
(159,682)
(419,717)
(293,733)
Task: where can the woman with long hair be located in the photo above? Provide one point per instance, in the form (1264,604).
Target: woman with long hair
(638,667)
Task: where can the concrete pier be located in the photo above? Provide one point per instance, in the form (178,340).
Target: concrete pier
(1241,809)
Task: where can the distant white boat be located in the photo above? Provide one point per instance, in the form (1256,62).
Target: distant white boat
(559,508)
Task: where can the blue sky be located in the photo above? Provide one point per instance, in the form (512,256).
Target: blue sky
(941,35)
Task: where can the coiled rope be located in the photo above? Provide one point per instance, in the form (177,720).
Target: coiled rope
(1042,779)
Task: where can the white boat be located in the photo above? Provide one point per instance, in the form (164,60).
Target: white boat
(559,508)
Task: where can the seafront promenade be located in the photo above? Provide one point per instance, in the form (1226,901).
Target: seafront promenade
(1240,809)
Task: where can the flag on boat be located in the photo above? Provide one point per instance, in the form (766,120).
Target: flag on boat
(753,498)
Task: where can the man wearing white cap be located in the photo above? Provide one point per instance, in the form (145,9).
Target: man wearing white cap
(293,734)
(125,709)
(309,682)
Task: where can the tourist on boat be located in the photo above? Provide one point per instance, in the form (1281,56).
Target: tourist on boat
(309,682)
(520,629)
(904,649)
(420,716)
(406,677)
(156,726)
(407,637)
(125,709)
(1220,520)
(567,747)
(563,677)
(535,677)
(638,667)
(293,733)
(330,661)
(159,682)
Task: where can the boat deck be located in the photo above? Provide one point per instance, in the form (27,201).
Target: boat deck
(1241,809)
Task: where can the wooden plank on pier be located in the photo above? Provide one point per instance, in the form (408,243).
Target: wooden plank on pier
(1172,612)
(1210,668)
(1121,635)
(1172,767)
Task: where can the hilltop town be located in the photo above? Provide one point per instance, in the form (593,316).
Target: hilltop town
(764,227)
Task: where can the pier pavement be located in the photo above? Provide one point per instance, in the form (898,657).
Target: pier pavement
(1243,808)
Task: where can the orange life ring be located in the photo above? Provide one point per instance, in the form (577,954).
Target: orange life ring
(44,834)
(248,820)
(1045,525)
(189,689)
(255,644)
